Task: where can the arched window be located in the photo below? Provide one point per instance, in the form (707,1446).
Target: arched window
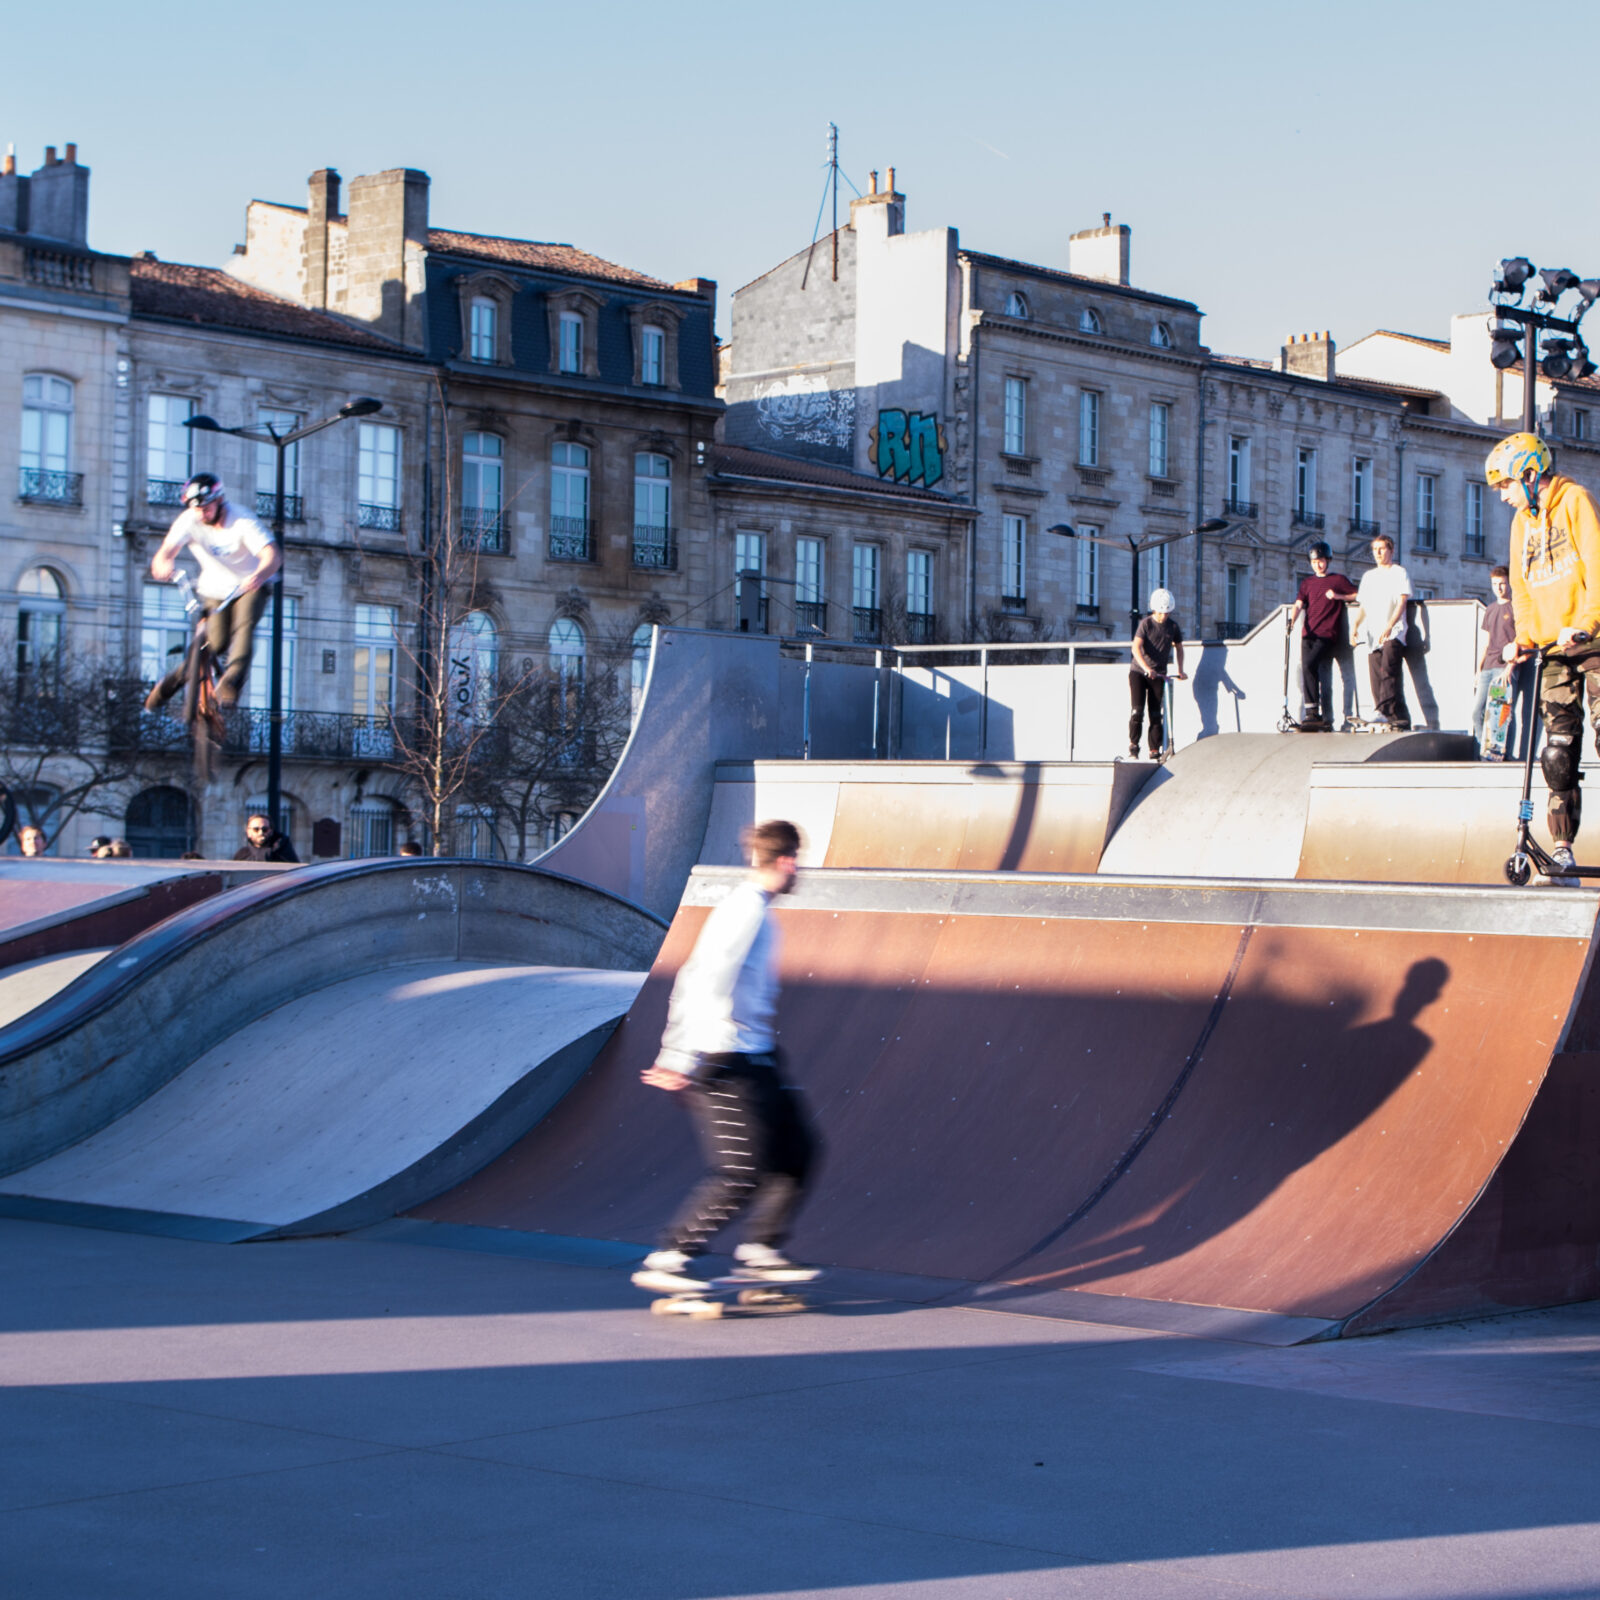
(484,318)
(1017,306)
(569,502)
(481,483)
(47,441)
(652,511)
(640,668)
(41,603)
(1089,321)
(161,822)
(474,655)
(371,831)
(1161,336)
(567,648)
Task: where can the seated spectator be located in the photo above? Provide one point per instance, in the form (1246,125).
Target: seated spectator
(120,850)
(411,848)
(263,842)
(31,841)
(100,847)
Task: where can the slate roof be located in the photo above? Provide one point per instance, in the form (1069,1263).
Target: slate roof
(563,258)
(735,461)
(212,298)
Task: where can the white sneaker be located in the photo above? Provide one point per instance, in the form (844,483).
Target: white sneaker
(667,1270)
(762,1261)
(1562,861)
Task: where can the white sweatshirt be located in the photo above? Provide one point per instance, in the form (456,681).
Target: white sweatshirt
(726,997)
(226,553)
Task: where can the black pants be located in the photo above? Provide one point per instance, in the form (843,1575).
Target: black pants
(1316,662)
(759,1147)
(1146,692)
(230,632)
(1388,689)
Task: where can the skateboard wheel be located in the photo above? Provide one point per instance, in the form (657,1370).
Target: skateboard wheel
(1519,869)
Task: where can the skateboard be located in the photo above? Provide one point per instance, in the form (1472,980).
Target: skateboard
(735,1296)
(1496,723)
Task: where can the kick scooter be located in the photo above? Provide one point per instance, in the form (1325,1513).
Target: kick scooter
(1530,856)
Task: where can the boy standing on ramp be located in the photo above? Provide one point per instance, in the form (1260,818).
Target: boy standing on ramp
(719,1057)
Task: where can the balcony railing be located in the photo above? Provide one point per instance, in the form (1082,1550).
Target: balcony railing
(307,735)
(294,505)
(811,616)
(1232,629)
(1362,528)
(1088,611)
(386,519)
(1427,537)
(57,269)
(164,491)
(867,624)
(919,627)
(1014,605)
(1310,519)
(655,547)
(1163,488)
(1239,508)
(1473,545)
(483,529)
(40,487)
(569,539)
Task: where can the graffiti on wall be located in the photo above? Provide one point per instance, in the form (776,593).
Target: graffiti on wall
(808,416)
(908,447)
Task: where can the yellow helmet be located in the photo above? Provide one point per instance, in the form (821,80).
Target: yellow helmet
(1515,456)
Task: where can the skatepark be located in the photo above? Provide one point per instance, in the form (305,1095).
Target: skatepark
(1166,1073)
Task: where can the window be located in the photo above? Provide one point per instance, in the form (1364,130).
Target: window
(481,335)
(1089,321)
(1427,521)
(1161,336)
(1239,476)
(1016,430)
(1017,306)
(1474,539)
(163,631)
(919,583)
(258,690)
(41,602)
(474,658)
(639,667)
(482,527)
(1159,572)
(652,355)
(378,477)
(567,650)
(280,422)
(1088,576)
(168,449)
(1160,433)
(1238,617)
(810,609)
(1361,492)
(1089,429)
(47,442)
(1013,563)
(1305,483)
(652,511)
(160,824)
(569,502)
(571,353)
(371,830)
(377,629)
(1580,423)
(750,555)
(864,593)
(475,834)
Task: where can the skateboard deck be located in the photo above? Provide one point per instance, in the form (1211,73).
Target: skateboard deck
(1496,723)
(720,1297)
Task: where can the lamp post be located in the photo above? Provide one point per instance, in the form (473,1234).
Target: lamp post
(266,433)
(1519,322)
(1137,547)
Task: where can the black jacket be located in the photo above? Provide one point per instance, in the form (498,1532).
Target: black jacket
(277,848)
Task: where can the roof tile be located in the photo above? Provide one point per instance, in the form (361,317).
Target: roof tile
(562,258)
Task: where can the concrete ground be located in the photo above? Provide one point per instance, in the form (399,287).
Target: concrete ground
(378,1417)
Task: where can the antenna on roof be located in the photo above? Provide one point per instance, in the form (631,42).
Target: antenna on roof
(830,186)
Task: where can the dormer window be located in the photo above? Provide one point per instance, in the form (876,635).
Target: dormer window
(1089,321)
(652,355)
(486,318)
(1161,336)
(655,343)
(571,358)
(481,336)
(574,332)
(1017,306)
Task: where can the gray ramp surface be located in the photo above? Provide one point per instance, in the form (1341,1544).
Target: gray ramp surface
(341,1106)
(31,983)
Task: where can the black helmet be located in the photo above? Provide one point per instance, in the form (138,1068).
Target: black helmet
(203,489)
(1320,548)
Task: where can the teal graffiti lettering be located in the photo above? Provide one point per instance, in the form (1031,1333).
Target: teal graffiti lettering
(927,460)
(894,448)
(909,448)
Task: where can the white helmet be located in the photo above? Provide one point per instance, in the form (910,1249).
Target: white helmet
(1163,600)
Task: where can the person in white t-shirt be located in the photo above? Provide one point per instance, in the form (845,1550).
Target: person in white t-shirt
(1380,622)
(237,559)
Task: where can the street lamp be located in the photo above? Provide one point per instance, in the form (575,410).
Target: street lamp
(266,433)
(1514,335)
(1137,547)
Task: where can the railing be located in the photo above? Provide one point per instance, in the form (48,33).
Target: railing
(919,627)
(294,505)
(811,616)
(1014,605)
(569,539)
(386,519)
(1310,519)
(1232,629)
(41,487)
(1473,545)
(307,735)
(1088,611)
(1092,477)
(655,547)
(164,491)
(1427,534)
(1019,467)
(1163,489)
(1362,528)
(483,530)
(866,624)
(57,269)
(1239,508)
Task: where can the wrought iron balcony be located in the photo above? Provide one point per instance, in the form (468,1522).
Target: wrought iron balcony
(811,616)
(1310,519)
(164,491)
(386,519)
(1239,508)
(919,627)
(569,539)
(1014,605)
(483,529)
(307,735)
(1163,488)
(1232,629)
(39,487)
(294,505)
(1362,528)
(867,624)
(655,547)
(1427,537)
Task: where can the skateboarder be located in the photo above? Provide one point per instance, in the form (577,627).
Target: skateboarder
(1555,599)
(1155,640)
(1380,619)
(1320,600)
(1500,661)
(719,1057)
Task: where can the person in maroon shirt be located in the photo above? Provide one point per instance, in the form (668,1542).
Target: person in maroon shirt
(1321,600)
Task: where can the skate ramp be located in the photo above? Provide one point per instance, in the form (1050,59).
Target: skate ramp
(1236,805)
(342,1107)
(1034,816)
(31,983)
(1280,1099)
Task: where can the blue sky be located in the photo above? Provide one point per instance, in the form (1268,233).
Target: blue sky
(1288,167)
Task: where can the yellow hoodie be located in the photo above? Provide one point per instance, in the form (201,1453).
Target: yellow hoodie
(1555,564)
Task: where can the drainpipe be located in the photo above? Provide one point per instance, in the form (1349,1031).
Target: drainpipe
(972,467)
(1200,512)
(1400,503)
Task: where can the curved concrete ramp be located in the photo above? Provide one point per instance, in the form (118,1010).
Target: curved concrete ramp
(341,1108)
(991,816)
(1279,1099)
(31,983)
(1235,805)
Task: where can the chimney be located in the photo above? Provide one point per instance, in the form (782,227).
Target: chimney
(58,199)
(706,288)
(879,213)
(322,204)
(1309,356)
(1101,252)
(13,195)
(387,232)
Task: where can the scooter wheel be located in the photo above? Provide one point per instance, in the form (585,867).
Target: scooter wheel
(1519,869)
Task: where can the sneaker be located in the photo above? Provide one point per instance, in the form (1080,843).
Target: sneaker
(1133,752)
(1562,861)
(762,1261)
(668,1271)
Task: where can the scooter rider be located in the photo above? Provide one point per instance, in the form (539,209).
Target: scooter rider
(1555,598)
(237,559)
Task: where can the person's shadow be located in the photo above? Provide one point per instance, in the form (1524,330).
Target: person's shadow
(1209,680)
